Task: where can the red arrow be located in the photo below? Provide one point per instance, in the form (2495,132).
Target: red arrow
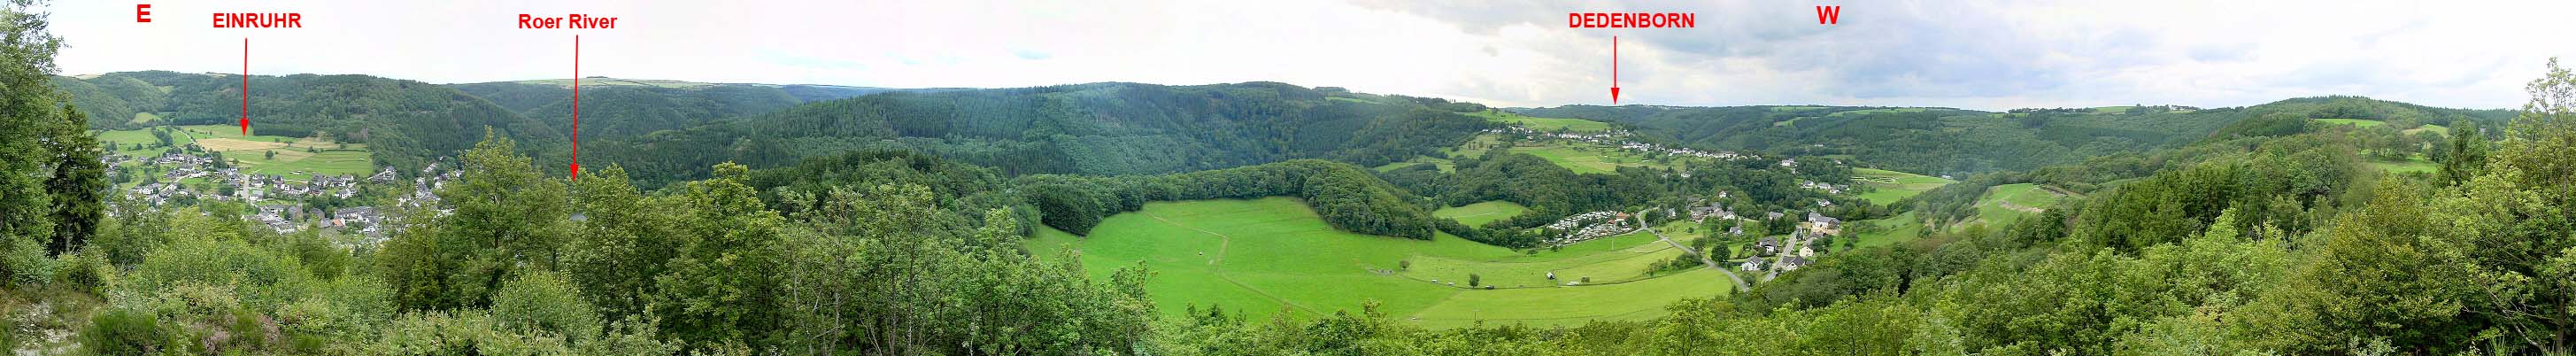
(576,106)
(1614,70)
(245,89)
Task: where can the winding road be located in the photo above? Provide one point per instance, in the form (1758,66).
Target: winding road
(1740,285)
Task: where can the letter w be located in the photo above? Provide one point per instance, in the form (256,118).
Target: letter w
(1829,15)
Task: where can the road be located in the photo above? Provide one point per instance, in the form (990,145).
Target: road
(1740,285)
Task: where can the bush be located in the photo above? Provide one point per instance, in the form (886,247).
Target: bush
(1474,280)
(545,302)
(85,271)
(122,332)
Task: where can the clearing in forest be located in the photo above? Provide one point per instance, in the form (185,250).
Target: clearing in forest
(1893,185)
(1482,212)
(1545,124)
(1265,256)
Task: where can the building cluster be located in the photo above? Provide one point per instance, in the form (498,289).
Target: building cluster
(280,199)
(1828,188)
(1620,139)
(1776,254)
(242,186)
(1588,226)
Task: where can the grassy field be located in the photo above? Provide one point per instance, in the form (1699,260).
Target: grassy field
(1480,213)
(2029,197)
(2444,130)
(1260,255)
(1545,123)
(2410,165)
(1893,229)
(295,156)
(1584,158)
(1893,185)
(2354,122)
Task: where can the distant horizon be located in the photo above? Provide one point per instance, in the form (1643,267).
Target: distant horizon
(2040,53)
(86,75)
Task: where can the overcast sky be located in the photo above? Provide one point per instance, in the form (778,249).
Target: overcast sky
(1967,54)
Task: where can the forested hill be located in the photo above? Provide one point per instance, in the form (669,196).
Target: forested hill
(1942,141)
(628,107)
(525,95)
(1092,129)
(406,123)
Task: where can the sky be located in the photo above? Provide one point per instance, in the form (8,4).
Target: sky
(1987,55)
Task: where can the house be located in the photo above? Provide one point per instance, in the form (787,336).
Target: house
(1737,230)
(1768,246)
(1713,210)
(1792,263)
(1824,224)
(1753,264)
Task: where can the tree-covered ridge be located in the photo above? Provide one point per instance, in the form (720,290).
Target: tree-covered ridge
(406,123)
(621,107)
(1091,129)
(1962,142)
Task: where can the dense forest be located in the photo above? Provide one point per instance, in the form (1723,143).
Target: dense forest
(1092,129)
(621,108)
(895,223)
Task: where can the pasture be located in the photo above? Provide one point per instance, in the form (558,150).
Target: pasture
(1481,212)
(2354,122)
(1546,124)
(1893,185)
(1267,255)
(2003,204)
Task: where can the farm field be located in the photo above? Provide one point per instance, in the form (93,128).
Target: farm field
(1892,230)
(295,156)
(1546,123)
(1588,158)
(2354,122)
(2005,203)
(1261,255)
(1893,186)
(1482,212)
(2416,164)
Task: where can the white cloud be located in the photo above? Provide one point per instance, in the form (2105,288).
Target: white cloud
(1974,55)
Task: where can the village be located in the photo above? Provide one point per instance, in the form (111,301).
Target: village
(285,203)
(1622,140)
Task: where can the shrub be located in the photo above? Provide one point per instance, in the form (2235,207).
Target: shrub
(547,302)
(1474,280)
(85,271)
(122,332)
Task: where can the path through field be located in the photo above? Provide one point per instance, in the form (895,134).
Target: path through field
(1703,259)
(1221,240)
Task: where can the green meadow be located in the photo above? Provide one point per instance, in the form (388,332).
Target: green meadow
(2024,199)
(1546,123)
(1480,213)
(1273,255)
(1893,186)
(2354,122)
